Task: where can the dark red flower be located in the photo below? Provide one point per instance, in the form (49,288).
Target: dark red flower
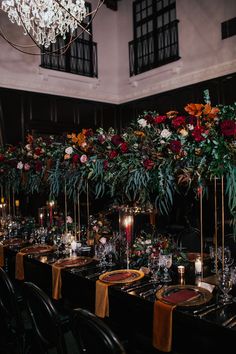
(2,157)
(75,158)
(124,147)
(228,127)
(148,164)
(175,146)
(192,120)
(159,119)
(117,140)
(197,133)
(38,151)
(178,121)
(38,166)
(149,118)
(88,132)
(105,165)
(112,154)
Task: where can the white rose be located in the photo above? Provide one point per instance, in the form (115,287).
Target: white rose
(143,123)
(148,242)
(190,127)
(103,240)
(165,133)
(20,165)
(69,150)
(28,147)
(135,146)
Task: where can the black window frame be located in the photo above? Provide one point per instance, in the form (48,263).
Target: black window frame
(149,50)
(79,57)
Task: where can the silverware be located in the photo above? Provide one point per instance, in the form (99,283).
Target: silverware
(203,309)
(94,275)
(228,321)
(218,307)
(232,324)
(136,287)
(149,292)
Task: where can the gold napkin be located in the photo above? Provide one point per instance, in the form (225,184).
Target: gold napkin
(102,299)
(162,325)
(1,256)
(56,282)
(19,272)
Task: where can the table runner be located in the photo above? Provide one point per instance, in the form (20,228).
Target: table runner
(102,299)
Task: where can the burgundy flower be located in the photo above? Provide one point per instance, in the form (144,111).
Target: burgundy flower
(124,147)
(228,127)
(175,146)
(192,120)
(105,165)
(148,164)
(117,140)
(101,138)
(112,154)
(2,157)
(75,158)
(149,118)
(38,151)
(159,119)
(38,166)
(88,132)
(178,121)
(197,133)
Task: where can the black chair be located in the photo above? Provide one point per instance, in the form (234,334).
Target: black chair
(93,336)
(13,331)
(47,324)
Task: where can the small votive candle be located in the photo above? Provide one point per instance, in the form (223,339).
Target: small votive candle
(198,265)
(181,270)
(17,203)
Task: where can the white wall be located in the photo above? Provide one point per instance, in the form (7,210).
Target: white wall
(204,55)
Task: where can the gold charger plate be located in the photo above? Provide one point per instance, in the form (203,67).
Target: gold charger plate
(73,262)
(13,242)
(184,295)
(121,276)
(37,249)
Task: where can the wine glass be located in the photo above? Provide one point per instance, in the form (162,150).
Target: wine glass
(225,284)
(166,263)
(154,266)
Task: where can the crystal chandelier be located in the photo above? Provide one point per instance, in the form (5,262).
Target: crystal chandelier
(44,20)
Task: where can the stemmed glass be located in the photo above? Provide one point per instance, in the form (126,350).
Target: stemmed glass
(154,266)
(228,260)
(166,263)
(225,284)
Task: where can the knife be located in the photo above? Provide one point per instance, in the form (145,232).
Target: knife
(150,291)
(203,309)
(136,287)
(227,322)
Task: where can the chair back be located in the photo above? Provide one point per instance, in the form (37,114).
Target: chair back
(12,324)
(45,319)
(93,336)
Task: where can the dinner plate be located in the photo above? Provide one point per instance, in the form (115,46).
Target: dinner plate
(13,241)
(37,249)
(121,276)
(184,295)
(73,262)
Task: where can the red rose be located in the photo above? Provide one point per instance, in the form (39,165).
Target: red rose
(124,147)
(117,140)
(113,154)
(148,164)
(228,127)
(38,151)
(175,146)
(88,132)
(75,158)
(178,121)
(149,118)
(159,119)
(197,133)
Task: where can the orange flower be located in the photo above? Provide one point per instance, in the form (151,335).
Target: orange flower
(29,139)
(139,133)
(81,138)
(194,109)
(172,114)
(66,157)
(210,112)
(73,137)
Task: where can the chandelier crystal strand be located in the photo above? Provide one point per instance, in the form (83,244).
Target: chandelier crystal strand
(45,19)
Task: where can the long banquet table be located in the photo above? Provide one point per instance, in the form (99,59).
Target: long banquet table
(131,315)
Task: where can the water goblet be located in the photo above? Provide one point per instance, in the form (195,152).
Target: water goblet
(154,266)
(225,284)
(166,263)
